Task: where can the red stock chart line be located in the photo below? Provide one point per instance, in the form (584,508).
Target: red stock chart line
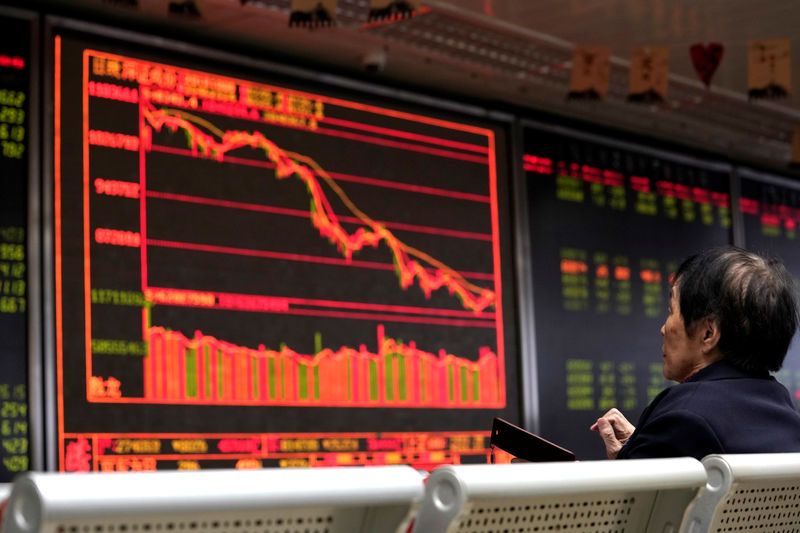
(292,165)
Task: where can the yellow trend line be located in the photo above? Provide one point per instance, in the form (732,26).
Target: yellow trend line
(198,120)
(342,196)
(366,218)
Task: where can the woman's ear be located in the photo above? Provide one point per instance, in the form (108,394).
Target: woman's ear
(711,334)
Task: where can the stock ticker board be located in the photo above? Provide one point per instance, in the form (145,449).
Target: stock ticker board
(15,72)
(771,216)
(609,225)
(252,273)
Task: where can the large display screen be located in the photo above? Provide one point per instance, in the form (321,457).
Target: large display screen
(770,209)
(253,272)
(15,84)
(609,225)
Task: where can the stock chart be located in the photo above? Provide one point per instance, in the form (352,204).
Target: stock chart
(251,272)
(609,225)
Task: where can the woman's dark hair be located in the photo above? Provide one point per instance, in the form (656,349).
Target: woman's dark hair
(752,298)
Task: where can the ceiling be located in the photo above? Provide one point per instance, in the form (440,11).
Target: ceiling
(520,53)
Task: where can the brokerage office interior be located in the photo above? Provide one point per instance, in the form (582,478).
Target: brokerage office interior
(232,242)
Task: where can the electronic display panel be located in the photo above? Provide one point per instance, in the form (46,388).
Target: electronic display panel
(770,210)
(15,85)
(252,271)
(609,224)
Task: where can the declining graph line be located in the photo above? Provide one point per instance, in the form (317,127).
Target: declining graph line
(323,217)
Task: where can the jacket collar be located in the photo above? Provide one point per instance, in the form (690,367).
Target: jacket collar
(722,370)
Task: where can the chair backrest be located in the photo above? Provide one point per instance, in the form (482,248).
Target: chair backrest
(751,492)
(319,500)
(648,495)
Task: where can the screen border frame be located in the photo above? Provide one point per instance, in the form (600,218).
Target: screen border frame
(53,24)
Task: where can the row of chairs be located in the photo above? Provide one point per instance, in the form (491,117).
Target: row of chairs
(724,493)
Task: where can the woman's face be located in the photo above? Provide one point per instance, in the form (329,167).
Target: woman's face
(681,352)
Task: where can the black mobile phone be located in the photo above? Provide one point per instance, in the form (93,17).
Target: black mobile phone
(525,445)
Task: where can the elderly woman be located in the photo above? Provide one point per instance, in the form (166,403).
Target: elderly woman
(732,316)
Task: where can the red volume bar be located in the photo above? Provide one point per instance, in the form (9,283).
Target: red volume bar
(203,369)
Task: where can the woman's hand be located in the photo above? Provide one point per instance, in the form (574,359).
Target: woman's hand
(615,430)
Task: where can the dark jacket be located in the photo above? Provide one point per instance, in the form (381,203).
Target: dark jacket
(720,409)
